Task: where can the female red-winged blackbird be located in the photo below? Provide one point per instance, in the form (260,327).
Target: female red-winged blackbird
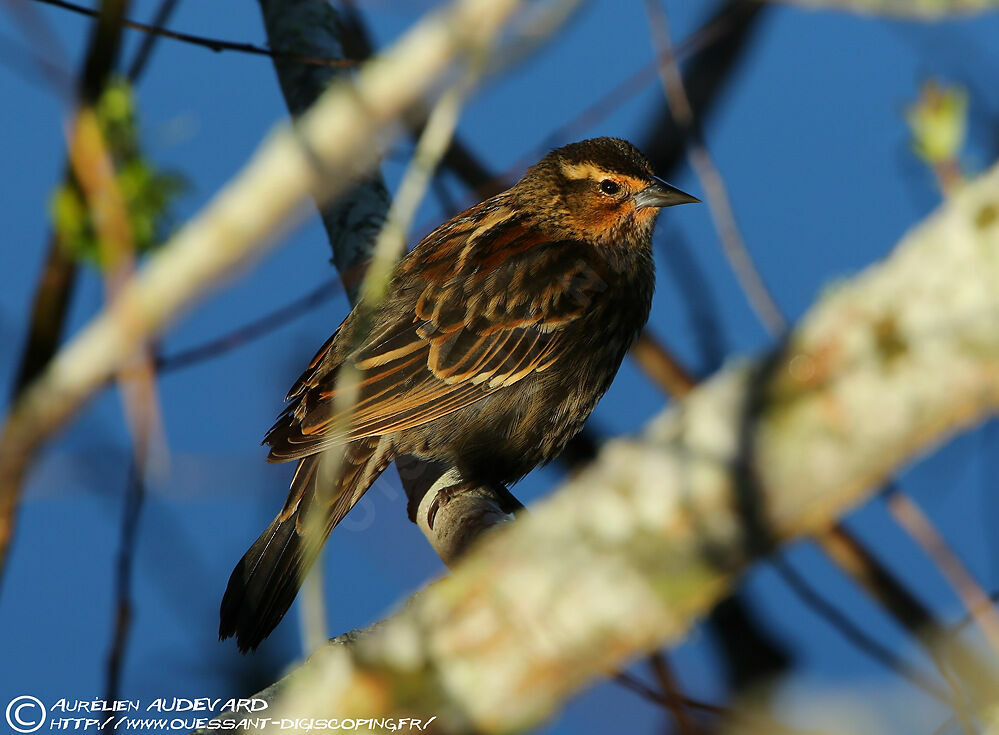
(498,334)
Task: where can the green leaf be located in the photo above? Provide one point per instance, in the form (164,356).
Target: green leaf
(148,192)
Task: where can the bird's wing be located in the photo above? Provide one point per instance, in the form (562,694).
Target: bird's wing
(459,326)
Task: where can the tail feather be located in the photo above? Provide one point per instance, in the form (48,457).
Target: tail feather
(263,585)
(266,580)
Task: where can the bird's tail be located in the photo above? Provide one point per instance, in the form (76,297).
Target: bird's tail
(266,580)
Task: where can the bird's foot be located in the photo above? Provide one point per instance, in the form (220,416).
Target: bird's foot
(444,496)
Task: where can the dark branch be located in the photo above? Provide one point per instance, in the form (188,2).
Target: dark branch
(145,51)
(247,333)
(705,75)
(214,44)
(135,497)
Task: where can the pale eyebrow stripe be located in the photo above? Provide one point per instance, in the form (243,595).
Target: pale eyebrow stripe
(580,170)
(585,170)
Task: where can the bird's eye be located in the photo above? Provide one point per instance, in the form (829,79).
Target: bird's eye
(609,187)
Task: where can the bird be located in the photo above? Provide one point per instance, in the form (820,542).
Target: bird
(495,338)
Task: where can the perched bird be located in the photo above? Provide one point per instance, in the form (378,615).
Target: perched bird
(496,338)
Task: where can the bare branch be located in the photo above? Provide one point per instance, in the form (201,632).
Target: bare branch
(951,654)
(144,53)
(253,330)
(717,28)
(214,44)
(710,177)
(855,634)
(672,694)
(913,520)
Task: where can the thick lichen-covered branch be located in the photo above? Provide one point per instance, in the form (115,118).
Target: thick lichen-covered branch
(331,146)
(629,553)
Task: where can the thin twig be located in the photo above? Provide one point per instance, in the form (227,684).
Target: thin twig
(48,313)
(55,286)
(946,725)
(701,307)
(734,246)
(639,687)
(312,605)
(459,158)
(853,558)
(969,618)
(54,62)
(215,44)
(259,327)
(135,496)
(103,49)
(671,691)
(731,714)
(706,75)
(912,519)
(855,634)
(612,100)
(659,364)
(145,51)
(33,67)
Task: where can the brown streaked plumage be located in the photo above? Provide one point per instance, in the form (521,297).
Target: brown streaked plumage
(498,335)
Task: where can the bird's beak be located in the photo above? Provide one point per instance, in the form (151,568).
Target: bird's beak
(661,194)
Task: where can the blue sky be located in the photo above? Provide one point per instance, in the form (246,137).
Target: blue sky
(811,141)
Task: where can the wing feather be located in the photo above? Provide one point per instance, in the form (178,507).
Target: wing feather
(499,313)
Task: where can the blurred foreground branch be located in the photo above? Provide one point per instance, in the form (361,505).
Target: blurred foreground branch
(626,555)
(917,9)
(332,145)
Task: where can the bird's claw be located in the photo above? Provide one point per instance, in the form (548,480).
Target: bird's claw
(442,498)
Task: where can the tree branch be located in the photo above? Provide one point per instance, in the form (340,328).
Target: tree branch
(917,9)
(332,145)
(626,555)
(355,217)
(214,44)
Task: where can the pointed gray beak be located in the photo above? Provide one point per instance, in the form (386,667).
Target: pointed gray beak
(661,194)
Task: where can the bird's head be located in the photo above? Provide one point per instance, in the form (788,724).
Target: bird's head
(601,190)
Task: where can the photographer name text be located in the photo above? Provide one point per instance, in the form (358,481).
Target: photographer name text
(162,704)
